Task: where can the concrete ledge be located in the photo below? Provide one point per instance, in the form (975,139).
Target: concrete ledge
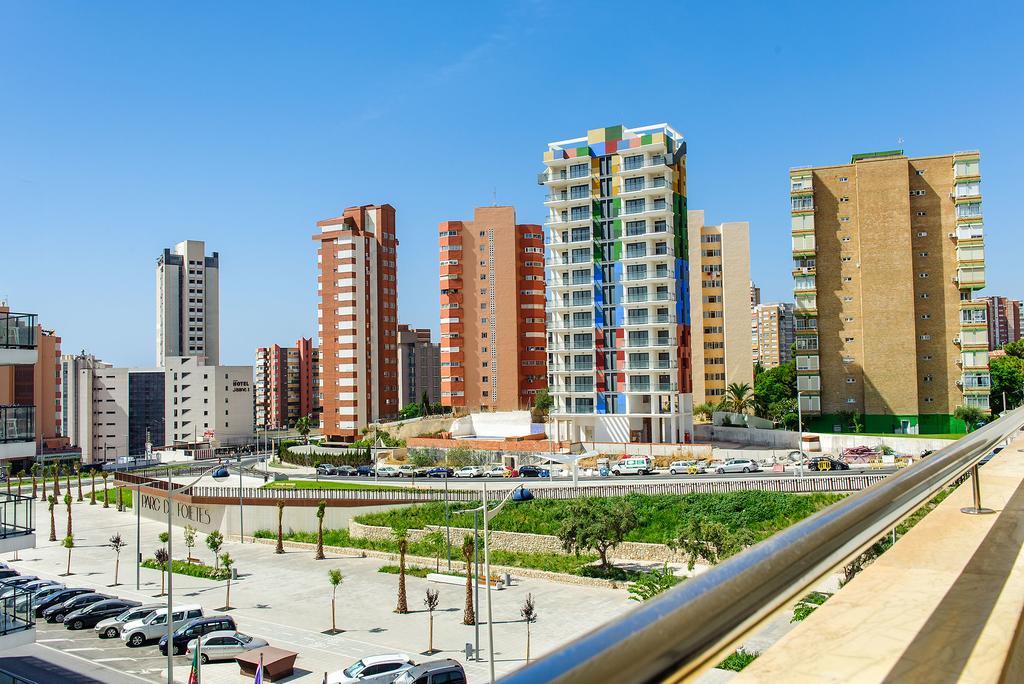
(942,605)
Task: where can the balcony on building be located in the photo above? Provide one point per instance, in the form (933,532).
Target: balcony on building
(18,344)
(17,621)
(17,526)
(655,164)
(17,431)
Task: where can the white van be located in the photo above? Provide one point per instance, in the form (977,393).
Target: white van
(154,625)
(634,465)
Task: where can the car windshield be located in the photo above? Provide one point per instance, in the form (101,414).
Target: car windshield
(244,638)
(354,669)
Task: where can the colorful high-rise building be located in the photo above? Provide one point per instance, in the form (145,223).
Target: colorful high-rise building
(492,311)
(419,366)
(618,309)
(188,303)
(720,295)
(286,384)
(888,252)
(773,334)
(357,319)
(1004,320)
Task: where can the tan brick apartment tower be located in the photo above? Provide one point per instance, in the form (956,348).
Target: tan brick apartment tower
(358,319)
(287,384)
(1004,320)
(773,334)
(419,366)
(888,252)
(492,311)
(720,298)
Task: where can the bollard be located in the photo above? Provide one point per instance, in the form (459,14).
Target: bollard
(976,509)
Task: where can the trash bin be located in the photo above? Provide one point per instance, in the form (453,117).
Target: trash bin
(469,651)
(508,580)
(234,573)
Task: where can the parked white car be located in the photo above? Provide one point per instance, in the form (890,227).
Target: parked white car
(470,471)
(111,627)
(635,465)
(407,470)
(498,471)
(739,465)
(377,669)
(687,467)
(225,645)
(154,625)
(388,471)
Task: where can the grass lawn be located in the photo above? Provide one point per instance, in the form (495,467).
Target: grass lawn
(660,516)
(330,484)
(180,567)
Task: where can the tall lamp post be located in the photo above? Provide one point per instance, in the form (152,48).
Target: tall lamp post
(520,493)
(800,427)
(171,490)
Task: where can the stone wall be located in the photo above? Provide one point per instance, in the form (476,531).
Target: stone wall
(831,443)
(522,542)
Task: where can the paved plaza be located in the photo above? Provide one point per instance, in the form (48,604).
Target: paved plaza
(286,600)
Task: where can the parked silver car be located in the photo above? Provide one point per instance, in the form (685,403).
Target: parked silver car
(739,465)
(154,626)
(378,669)
(111,627)
(225,645)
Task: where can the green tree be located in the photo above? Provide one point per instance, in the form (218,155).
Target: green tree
(51,502)
(164,559)
(68,543)
(321,510)
(335,577)
(425,404)
(1007,374)
(597,524)
(67,502)
(430,603)
(410,411)
(652,583)
(741,397)
(703,539)
(421,458)
(543,401)
(972,416)
(773,385)
(227,561)
(190,541)
(117,544)
(302,426)
(529,613)
(214,541)
(704,411)
(401,536)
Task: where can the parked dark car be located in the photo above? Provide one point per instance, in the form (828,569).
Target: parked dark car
(440,471)
(195,629)
(826,463)
(365,471)
(58,598)
(345,470)
(58,612)
(9,582)
(533,471)
(92,614)
(8,572)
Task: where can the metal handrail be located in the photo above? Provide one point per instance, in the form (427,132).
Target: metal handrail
(690,628)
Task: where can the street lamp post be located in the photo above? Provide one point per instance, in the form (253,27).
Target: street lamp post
(800,427)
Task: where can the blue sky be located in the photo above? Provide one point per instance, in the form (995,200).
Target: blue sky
(127,127)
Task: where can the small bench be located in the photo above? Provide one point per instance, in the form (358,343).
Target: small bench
(278,663)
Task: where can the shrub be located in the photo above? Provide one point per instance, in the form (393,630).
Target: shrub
(190,569)
(737,660)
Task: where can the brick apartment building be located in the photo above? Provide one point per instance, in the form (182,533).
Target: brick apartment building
(286,384)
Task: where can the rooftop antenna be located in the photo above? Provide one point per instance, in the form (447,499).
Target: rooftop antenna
(494,197)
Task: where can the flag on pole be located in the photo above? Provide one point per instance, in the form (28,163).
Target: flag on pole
(193,676)
(259,672)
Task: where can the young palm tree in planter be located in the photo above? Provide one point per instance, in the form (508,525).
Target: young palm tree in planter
(106,501)
(117,544)
(68,543)
(92,494)
(280,527)
(42,476)
(227,561)
(468,615)
(78,474)
(529,613)
(67,502)
(335,578)
(56,481)
(53,523)
(402,537)
(190,541)
(430,603)
(321,509)
(164,559)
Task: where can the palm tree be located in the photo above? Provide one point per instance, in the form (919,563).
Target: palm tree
(67,502)
(42,476)
(164,559)
(529,613)
(53,523)
(430,603)
(117,544)
(321,509)
(227,561)
(35,473)
(78,472)
(335,577)
(741,397)
(704,410)
(67,478)
(56,480)
(402,537)
(68,543)
(302,426)
(280,531)
(106,501)
(92,494)
(468,615)
(7,476)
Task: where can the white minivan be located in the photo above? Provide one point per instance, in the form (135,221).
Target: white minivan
(634,465)
(154,625)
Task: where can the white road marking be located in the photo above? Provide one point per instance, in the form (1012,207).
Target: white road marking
(110,660)
(72,655)
(83,648)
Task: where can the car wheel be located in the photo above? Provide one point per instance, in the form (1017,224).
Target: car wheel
(671,472)
(77,624)
(110,633)
(205,658)
(721,471)
(58,617)
(136,640)
(746,470)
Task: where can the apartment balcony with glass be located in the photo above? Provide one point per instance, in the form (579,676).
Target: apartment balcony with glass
(801,203)
(633,163)
(18,344)
(969,231)
(642,186)
(975,382)
(646,207)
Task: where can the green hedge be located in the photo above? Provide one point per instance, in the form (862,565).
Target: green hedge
(349,457)
(180,567)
